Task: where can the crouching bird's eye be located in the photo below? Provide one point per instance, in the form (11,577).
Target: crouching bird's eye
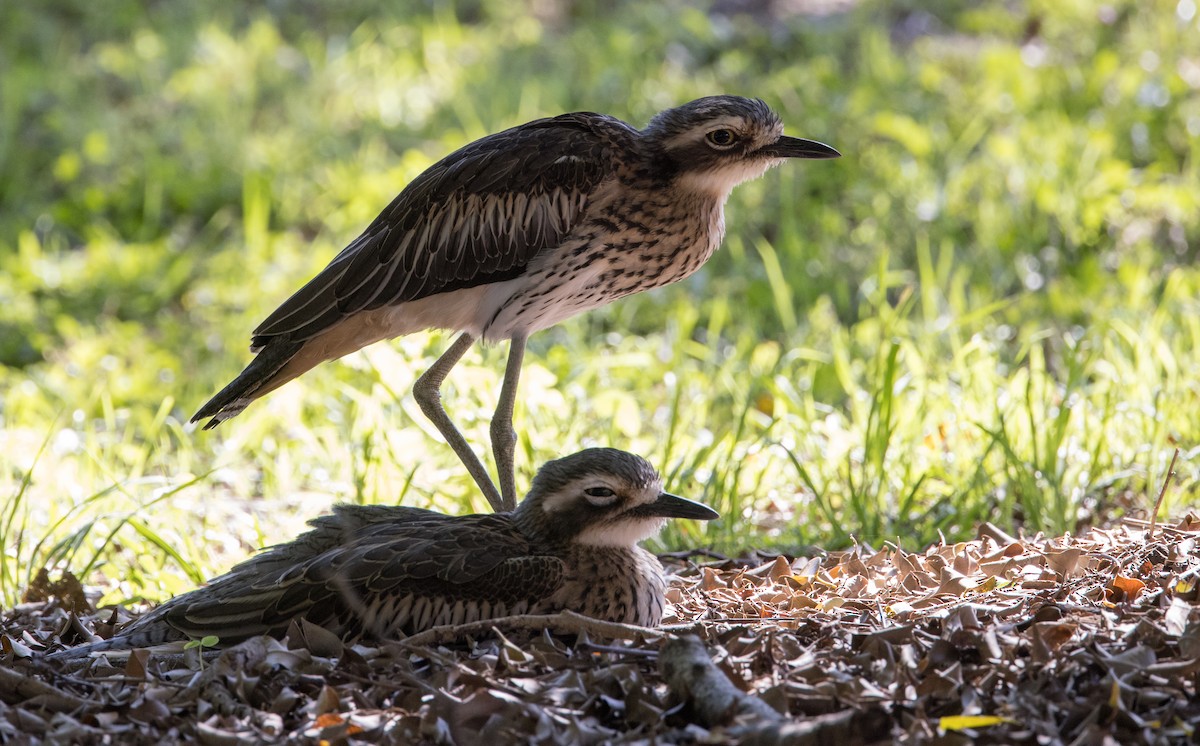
(601,492)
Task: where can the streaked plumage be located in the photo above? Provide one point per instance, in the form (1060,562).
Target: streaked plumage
(516,232)
(385,571)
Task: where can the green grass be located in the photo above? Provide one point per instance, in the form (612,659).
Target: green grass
(985,311)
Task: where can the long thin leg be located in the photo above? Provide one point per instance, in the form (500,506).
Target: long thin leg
(504,438)
(427,392)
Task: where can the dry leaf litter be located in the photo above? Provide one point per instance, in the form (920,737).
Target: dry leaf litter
(1074,640)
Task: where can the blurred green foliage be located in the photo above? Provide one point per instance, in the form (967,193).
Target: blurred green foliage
(984,311)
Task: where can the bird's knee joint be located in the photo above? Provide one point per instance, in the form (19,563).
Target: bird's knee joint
(428,396)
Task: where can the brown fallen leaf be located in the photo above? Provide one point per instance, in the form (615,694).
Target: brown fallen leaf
(135,666)
(1065,563)
(781,568)
(711,581)
(1124,589)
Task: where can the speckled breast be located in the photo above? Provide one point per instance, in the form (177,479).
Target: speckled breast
(637,242)
(615,584)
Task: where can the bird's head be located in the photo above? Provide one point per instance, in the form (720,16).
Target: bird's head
(712,144)
(601,497)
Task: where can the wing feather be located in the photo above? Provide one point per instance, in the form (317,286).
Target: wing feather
(479,215)
(339,575)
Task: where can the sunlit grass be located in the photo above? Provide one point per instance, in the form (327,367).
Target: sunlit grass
(937,433)
(985,311)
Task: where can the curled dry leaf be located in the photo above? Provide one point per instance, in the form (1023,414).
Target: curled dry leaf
(1123,589)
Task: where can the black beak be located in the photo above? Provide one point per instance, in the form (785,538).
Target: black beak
(674,506)
(796,147)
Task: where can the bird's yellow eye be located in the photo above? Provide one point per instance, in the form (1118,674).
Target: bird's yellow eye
(721,138)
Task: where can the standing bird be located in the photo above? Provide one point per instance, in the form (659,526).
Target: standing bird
(380,571)
(514,233)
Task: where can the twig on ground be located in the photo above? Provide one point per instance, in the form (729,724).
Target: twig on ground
(694,678)
(996,534)
(849,726)
(564,623)
(1162,529)
(688,554)
(16,688)
(1161,494)
(714,700)
(615,650)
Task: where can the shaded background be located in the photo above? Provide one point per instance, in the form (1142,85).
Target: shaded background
(984,311)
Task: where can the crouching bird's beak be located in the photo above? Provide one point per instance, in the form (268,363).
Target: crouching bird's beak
(674,506)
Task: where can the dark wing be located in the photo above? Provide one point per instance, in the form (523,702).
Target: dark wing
(477,216)
(342,586)
(342,572)
(226,606)
(347,524)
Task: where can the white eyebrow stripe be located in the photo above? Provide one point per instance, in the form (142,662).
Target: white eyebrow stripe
(733,122)
(727,122)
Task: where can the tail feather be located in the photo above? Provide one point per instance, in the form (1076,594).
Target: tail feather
(259,377)
(148,632)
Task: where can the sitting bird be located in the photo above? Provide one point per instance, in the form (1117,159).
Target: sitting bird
(379,572)
(514,233)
